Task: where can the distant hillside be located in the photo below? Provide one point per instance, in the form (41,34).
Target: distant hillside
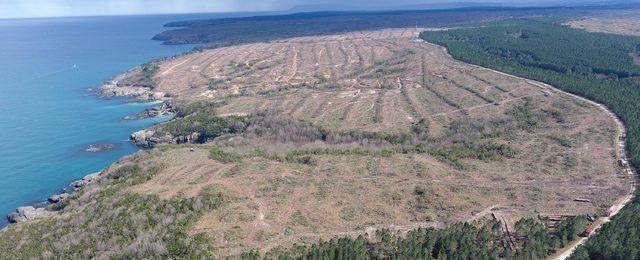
(388,6)
(377,5)
(230,31)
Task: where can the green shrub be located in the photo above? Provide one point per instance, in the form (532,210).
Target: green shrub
(216,153)
(525,116)
(207,125)
(213,83)
(149,70)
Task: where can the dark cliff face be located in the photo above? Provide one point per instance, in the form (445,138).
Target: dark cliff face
(230,31)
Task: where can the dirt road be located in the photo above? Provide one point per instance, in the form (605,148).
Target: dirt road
(620,151)
(615,209)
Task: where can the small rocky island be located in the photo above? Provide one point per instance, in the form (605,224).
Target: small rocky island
(95,148)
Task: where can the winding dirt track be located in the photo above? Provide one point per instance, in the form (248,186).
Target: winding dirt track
(620,151)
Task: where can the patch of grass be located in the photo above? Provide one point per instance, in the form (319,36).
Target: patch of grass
(558,115)
(235,234)
(216,153)
(301,159)
(421,128)
(299,219)
(485,151)
(562,141)
(214,83)
(525,116)
(570,161)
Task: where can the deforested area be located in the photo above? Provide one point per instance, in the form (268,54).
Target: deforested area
(624,22)
(599,66)
(376,139)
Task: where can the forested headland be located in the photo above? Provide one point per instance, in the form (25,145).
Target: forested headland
(593,65)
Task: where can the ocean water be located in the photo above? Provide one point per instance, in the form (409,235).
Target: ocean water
(47,116)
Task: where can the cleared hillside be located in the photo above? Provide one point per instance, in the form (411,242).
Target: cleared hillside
(309,138)
(598,66)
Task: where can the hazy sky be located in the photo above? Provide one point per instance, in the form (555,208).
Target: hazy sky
(39,8)
(44,8)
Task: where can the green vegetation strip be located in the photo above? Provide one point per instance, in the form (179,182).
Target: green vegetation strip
(451,154)
(593,65)
(459,241)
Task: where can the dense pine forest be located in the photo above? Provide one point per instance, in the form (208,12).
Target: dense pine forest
(594,65)
(530,240)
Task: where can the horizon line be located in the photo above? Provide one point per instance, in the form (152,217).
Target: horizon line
(292,11)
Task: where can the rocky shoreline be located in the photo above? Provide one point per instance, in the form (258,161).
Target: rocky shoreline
(126,85)
(147,138)
(28,213)
(133,85)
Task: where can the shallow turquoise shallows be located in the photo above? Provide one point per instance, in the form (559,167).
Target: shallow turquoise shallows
(47,116)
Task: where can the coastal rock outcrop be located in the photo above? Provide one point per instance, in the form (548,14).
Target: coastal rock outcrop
(131,84)
(112,89)
(26,213)
(144,138)
(148,138)
(94,148)
(86,180)
(165,109)
(58,198)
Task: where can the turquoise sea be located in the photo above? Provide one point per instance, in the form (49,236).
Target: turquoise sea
(47,116)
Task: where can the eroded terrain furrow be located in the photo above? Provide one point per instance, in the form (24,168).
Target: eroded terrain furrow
(491,84)
(470,89)
(428,83)
(411,104)
(331,65)
(378,117)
